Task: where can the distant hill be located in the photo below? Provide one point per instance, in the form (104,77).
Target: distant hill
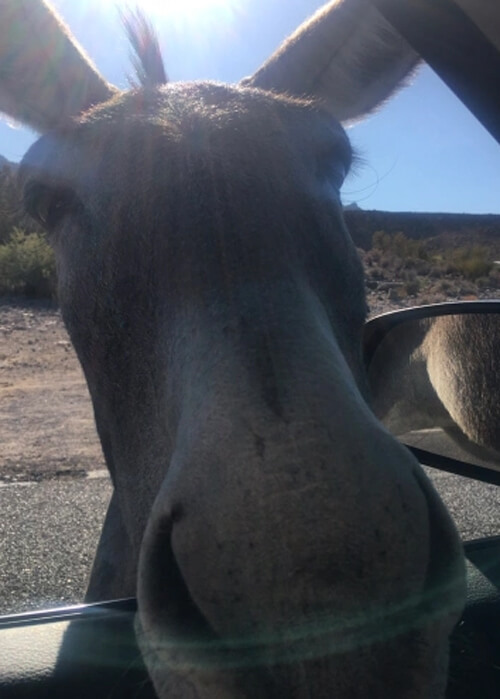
(459,229)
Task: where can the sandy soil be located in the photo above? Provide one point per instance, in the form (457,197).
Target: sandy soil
(46,420)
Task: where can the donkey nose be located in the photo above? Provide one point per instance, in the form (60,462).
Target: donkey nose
(189,658)
(247,566)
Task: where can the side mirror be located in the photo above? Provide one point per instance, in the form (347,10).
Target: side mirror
(434,376)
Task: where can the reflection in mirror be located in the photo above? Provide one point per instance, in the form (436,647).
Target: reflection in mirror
(435,385)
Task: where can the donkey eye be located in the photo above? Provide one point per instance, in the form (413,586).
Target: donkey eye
(332,170)
(333,166)
(49,205)
(337,174)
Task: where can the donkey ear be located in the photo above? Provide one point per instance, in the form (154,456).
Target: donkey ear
(45,77)
(347,56)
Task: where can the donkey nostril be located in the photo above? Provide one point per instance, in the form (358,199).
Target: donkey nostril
(165,602)
(177,513)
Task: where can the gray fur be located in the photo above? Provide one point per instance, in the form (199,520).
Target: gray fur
(442,373)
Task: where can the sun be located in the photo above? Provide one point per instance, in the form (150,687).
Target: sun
(186,16)
(190,5)
(182,9)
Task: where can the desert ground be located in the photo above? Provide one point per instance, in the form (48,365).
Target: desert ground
(53,485)
(46,422)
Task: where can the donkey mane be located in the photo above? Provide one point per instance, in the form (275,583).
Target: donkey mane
(146,57)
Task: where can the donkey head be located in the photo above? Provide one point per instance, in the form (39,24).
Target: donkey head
(281,543)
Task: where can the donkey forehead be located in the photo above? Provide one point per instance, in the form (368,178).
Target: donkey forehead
(190,120)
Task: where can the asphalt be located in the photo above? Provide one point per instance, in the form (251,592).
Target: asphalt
(48,535)
(49,531)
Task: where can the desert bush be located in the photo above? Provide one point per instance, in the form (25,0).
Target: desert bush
(413,287)
(381,241)
(377,274)
(422,267)
(436,271)
(472,262)
(494,278)
(407,248)
(445,286)
(9,203)
(27,265)
(386,262)
(373,256)
(409,264)
(466,289)
(398,245)
(483,283)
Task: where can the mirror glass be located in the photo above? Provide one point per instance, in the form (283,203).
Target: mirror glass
(435,385)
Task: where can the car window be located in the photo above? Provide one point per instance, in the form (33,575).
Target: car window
(425,234)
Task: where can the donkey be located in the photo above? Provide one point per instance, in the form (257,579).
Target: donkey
(280,542)
(442,372)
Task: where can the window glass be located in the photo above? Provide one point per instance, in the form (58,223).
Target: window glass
(422,205)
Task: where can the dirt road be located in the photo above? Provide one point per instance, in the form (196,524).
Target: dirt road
(46,422)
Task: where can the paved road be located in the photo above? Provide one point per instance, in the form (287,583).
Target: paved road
(48,532)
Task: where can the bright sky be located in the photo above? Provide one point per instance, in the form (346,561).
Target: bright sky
(423,151)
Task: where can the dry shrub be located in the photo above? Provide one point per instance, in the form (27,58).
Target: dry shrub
(27,265)
(472,262)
